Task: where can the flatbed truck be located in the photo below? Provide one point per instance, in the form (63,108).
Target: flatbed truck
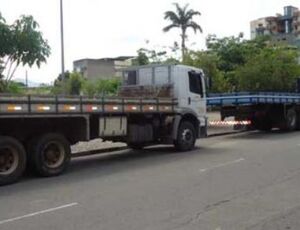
(263,110)
(156,105)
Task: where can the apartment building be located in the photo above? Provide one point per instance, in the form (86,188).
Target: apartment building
(281,28)
(103,68)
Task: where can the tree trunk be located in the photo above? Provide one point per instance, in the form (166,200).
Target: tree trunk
(183,48)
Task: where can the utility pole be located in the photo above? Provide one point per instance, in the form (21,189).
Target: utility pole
(62,41)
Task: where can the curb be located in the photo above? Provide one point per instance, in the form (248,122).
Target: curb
(98,151)
(114,149)
(226,133)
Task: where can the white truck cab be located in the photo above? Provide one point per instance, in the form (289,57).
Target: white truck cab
(188,87)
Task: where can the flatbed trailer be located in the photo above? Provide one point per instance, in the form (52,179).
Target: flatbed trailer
(265,110)
(157,104)
(62,120)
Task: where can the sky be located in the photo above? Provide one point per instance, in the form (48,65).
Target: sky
(111,28)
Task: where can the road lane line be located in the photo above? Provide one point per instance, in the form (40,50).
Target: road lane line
(221,165)
(37,213)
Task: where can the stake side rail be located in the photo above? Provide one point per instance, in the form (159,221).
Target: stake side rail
(82,105)
(249,98)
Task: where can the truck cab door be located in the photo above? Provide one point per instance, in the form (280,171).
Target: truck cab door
(196,93)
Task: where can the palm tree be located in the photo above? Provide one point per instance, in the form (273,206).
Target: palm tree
(182,19)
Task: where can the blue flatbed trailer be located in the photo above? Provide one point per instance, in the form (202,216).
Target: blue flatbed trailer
(265,110)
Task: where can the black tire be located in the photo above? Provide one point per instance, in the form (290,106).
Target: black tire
(262,124)
(12,160)
(186,137)
(266,126)
(291,120)
(136,146)
(49,155)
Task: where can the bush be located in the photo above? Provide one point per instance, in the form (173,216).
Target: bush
(13,88)
(101,87)
(270,70)
(72,85)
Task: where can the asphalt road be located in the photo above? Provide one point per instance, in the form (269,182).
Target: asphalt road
(242,181)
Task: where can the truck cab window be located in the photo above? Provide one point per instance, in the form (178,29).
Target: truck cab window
(195,83)
(130,78)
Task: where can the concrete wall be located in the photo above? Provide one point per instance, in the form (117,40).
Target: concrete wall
(100,68)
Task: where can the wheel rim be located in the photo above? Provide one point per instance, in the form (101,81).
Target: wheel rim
(187,137)
(9,160)
(53,154)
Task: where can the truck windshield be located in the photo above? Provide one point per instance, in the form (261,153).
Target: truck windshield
(195,83)
(130,78)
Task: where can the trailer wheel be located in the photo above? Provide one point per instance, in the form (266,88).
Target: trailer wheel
(262,123)
(12,160)
(49,155)
(291,120)
(266,126)
(186,137)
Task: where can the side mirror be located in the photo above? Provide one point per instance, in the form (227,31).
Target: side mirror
(298,85)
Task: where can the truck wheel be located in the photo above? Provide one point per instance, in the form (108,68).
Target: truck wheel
(291,120)
(49,155)
(12,160)
(186,137)
(136,146)
(266,126)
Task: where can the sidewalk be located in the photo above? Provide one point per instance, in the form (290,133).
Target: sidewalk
(99,144)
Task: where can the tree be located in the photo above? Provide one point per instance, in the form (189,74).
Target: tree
(75,83)
(157,55)
(59,80)
(272,69)
(141,59)
(233,52)
(208,62)
(21,44)
(182,18)
(72,85)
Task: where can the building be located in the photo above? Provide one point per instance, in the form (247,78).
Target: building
(281,28)
(103,68)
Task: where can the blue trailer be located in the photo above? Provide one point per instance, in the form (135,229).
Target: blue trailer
(265,110)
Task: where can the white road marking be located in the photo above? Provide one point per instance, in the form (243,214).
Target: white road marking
(221,165)
(37,213)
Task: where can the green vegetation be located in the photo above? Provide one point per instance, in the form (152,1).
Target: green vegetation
(41,90)
(208,61)
(75,84)
(16,88)
(236,64)
(270,69)
(21,43)
(102,87)
(147,56)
